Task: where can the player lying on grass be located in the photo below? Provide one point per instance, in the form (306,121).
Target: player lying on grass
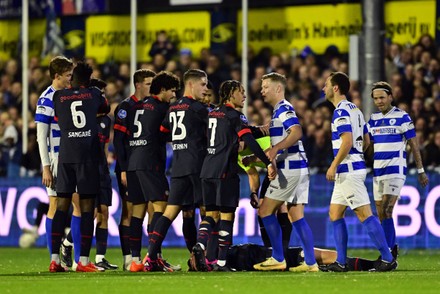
(243,257)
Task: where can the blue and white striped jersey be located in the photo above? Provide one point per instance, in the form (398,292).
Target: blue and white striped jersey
(389,133)
(45,114)
(347,118)
(293,160)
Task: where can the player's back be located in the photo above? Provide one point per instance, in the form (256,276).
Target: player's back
(146,143)
(186,120)
(75,111)
(348,118)
(225,125)
(45,114)
(389,134)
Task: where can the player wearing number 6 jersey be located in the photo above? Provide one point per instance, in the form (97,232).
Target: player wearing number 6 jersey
(350,139)
(78,167)
(186,123)
(146,164)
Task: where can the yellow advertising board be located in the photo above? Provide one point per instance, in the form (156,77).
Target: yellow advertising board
(10,36)
(406,21)
(319,26)
(108,37)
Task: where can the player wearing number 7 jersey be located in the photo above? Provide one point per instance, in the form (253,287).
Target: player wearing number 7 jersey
(78,167)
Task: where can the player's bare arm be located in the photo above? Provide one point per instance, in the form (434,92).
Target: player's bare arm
(423,178)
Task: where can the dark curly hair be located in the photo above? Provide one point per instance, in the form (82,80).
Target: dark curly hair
(164,80)
(227,88)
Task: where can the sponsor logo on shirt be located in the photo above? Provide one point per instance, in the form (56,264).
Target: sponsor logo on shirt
(122,114)
(41,109)
(243,118)
(383,131)
(341,121)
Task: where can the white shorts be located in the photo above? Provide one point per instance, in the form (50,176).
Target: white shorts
(350,190)
(291,189)
(387,187)
(54,169)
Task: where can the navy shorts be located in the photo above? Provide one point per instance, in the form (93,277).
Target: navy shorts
(144,186)
(82,178)
(221,192)
(186,191)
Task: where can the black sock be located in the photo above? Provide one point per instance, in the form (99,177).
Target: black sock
(205,229)
(189,232)
(157,236)
(154,220)
(86,233)
(359,264)
(264,235)
(136,236)
(224,238)
(42,209)
(69,237)
(212,250)
(124,238)
(286,228)
(58,225)
(101,241)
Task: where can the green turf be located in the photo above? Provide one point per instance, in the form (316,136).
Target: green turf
(26,271)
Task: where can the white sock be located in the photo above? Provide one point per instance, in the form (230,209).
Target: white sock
(56,258)
(221,262)
(84,260)
(136,259)
(99,258)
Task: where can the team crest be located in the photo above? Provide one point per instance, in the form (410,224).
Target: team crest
(122,114)
(243,118)
(392,121)
(339,112)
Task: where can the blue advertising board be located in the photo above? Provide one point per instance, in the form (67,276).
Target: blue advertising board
(417,215)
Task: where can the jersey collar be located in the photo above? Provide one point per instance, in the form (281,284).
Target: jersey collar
(135,99)
(339,104)
(229,105)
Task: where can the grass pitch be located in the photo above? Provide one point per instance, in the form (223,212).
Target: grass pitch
(26,271)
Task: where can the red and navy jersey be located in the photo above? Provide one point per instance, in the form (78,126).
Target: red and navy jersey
(225,127)
(186,121)
(76,110)
(104,124)
(146,142)
(121,130)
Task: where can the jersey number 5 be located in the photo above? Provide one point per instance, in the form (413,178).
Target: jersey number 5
(137,123)
(78,117)
(176,119)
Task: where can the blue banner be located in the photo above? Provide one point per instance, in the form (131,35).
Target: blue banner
(417,215)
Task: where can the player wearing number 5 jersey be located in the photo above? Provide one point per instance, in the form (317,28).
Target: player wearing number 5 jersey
(350,139)
(146,164)
(78,167)
(186,123)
